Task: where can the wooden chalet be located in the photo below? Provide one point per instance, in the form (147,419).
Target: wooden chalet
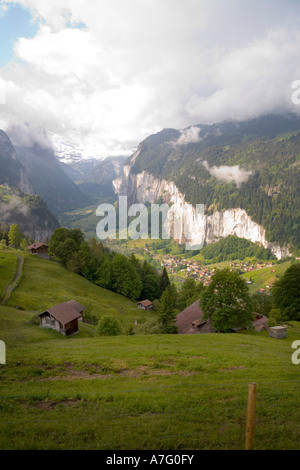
(62,318)
(39,249)
(191,321)
(145,305)
(78,307)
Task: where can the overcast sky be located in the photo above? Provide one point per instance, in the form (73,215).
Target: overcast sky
(104,74)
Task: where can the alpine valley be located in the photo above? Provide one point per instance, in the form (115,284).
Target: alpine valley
(246,174)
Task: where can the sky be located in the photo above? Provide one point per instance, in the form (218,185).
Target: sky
(104,74)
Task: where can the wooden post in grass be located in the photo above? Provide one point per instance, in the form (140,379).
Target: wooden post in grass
(250,416)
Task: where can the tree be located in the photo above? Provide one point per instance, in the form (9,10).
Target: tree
(164,281)
(286,293)
(64,243)
(125,280)
(227,302)
(262,303)
(190,292)
(108,326)
(14,236)
(167,314)
(2,244)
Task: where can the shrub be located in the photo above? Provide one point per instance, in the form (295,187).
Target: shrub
(108,326)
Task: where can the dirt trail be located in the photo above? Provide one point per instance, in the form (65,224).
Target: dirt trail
(11,286)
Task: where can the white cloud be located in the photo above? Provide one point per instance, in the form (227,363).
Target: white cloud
(229,174)
(188,136)
(136,67)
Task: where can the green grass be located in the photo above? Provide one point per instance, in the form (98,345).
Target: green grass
(265,277)
(46,283)
(8,268)
(84,218)
(162,392)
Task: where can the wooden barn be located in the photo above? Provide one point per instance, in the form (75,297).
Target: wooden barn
(39,249)
(190,321)
(62,318)
(78,307)
(145,305)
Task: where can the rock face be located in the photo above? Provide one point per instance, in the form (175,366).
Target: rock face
(12,172)
(197,228)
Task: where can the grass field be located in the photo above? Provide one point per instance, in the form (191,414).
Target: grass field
(8,268)
(162,392)
(46,283)
(85,219)
(144,392)
(265,276)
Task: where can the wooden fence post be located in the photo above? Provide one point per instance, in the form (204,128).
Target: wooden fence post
(250,416)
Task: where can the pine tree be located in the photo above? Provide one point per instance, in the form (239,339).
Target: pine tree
(14,236)
(164,281)
(167,314)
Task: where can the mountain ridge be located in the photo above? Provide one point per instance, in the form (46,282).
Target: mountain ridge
(205,164)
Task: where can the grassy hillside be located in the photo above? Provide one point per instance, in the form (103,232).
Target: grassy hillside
(266,276)
(8,267)
(163,392)
(46,283)
(144,392)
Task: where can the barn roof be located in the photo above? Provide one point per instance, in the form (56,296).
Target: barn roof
(186,318)
(146,303)
(259,320)
(36,245)
(63,313)
(76,305)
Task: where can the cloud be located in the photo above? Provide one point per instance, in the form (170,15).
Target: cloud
(26,136)
(188,136)
(229,174)
(105,76)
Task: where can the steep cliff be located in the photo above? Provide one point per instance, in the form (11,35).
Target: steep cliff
(196,228)
(35,153)
(12,172)
(253,166)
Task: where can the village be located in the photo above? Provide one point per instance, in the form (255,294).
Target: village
(185,268)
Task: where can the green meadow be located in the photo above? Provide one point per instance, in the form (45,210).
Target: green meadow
(162,392)
(8,268)
(266,276)
(45,283)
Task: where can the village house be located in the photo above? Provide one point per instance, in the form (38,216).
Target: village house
(145,305)
(63,317)
(39,249)
(191,321)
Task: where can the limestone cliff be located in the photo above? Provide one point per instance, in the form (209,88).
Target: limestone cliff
(144,187)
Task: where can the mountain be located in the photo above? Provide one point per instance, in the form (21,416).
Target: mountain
(18,204)
(94,177)
(48,180)
(12,173)
(245,173)
(29,211)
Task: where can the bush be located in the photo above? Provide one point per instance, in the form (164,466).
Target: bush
(150,327)
(108,326)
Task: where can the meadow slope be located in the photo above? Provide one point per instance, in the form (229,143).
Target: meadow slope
(159,392)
